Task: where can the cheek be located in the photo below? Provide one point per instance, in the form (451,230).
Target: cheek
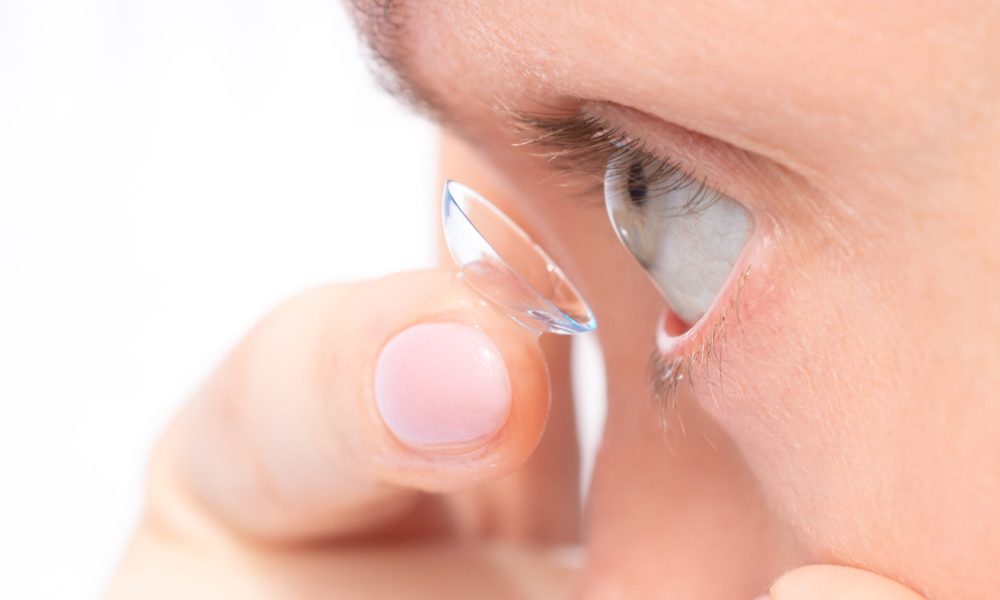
(807,382)
(846,408)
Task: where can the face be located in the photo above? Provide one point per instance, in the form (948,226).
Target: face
(807,193)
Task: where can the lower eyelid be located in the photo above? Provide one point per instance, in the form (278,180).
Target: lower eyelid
(677,362)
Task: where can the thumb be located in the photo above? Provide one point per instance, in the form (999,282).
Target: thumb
(832,582)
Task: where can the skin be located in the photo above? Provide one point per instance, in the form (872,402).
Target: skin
(849,416)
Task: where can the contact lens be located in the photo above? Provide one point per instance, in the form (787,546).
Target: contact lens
(503,264)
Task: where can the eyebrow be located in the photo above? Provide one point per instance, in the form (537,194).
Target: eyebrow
(383,25)
(567,141)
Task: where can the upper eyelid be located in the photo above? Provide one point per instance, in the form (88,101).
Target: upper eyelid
(579,144)
(573,142)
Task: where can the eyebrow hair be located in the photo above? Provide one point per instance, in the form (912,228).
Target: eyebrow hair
(383,25)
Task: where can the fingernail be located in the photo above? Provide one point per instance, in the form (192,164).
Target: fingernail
(442,386)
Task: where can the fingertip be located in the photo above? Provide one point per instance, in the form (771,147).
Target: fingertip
(465,403)
(442,387)
(459,389)
(834,582)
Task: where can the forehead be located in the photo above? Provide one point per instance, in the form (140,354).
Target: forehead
(735,70)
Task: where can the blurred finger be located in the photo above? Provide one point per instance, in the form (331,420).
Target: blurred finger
(831,582)
(541,501)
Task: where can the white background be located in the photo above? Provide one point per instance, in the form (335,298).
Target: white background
(168,171)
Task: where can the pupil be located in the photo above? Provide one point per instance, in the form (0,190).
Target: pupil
(637,188)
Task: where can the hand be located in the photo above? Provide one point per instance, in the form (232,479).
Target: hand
(285,476)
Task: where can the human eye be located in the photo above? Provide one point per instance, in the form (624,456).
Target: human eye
(685,234)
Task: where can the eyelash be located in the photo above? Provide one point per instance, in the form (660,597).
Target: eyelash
(581,145)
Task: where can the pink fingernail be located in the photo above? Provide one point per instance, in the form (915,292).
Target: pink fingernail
(442,386)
